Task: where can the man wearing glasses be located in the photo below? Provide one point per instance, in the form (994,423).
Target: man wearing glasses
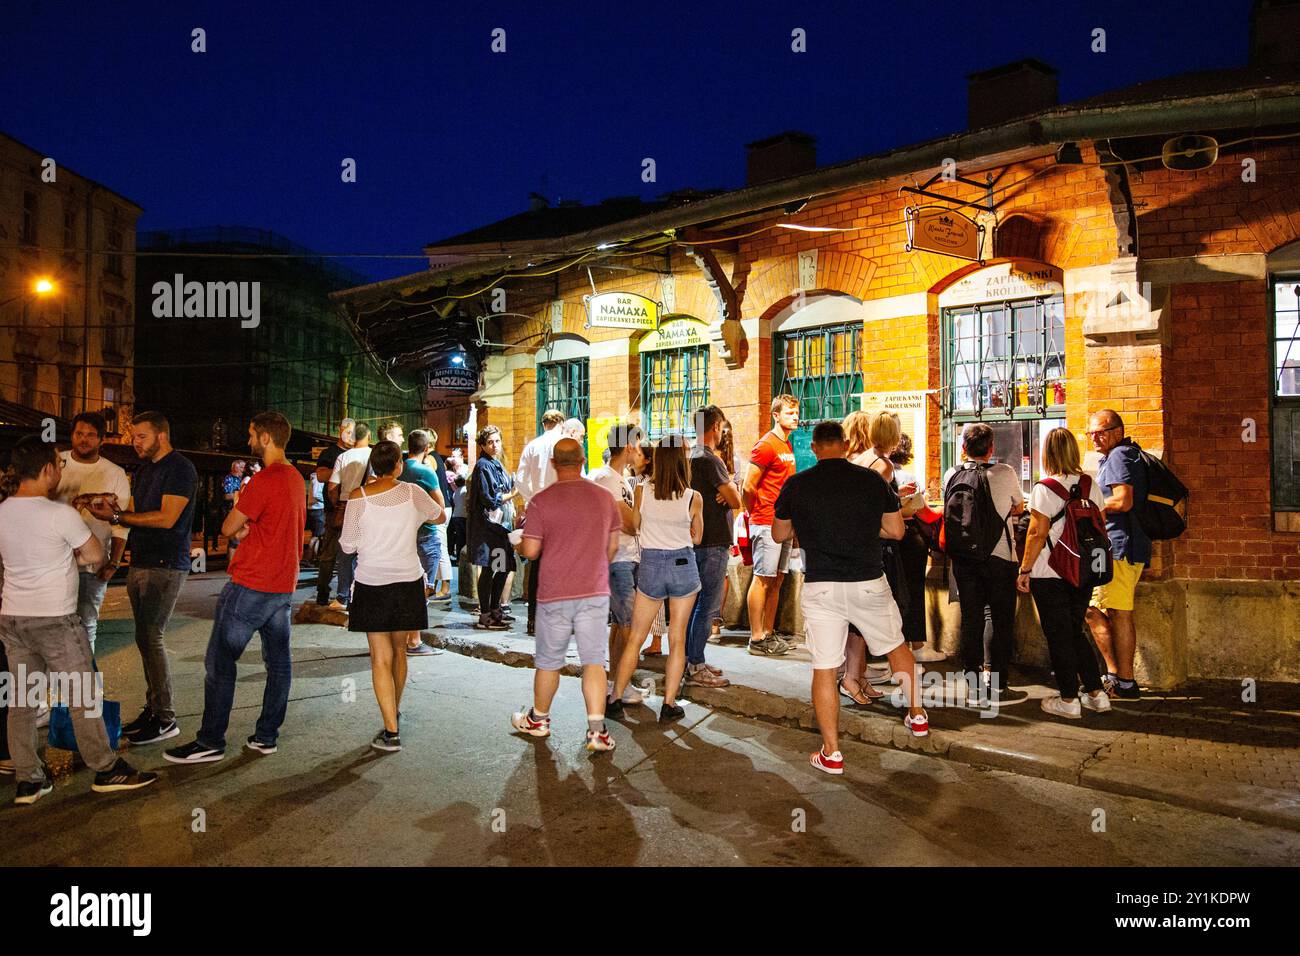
(1123,479)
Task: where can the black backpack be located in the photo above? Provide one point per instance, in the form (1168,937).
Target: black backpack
(1163,515)
(971,523)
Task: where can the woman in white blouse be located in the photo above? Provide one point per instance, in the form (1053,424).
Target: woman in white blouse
(388,601)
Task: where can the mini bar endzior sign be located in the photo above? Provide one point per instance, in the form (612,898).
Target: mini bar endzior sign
(621,310)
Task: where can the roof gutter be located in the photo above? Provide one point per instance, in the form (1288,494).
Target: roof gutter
(1278,106)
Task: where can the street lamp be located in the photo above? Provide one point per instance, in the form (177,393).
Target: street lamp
(43,286)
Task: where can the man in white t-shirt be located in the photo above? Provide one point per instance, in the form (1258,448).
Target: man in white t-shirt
(991,581)
(87,473)
(536,474)
(348,475)
(41,544)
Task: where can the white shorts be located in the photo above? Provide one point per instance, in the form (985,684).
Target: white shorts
(829,607)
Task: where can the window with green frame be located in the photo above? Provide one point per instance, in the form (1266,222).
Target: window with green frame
(674,383)
(822,367)
(1286,392)
(1004,364)
(566,386)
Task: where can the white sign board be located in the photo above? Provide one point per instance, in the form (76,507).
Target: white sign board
(911,409)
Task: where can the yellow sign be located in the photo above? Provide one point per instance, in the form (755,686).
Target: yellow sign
(598,439)
(678,334)
(621,310)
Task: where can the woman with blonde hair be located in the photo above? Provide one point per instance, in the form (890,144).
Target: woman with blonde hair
(669,517)
(1062,606)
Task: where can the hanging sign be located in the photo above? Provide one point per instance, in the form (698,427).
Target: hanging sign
(945,231)
(677,334)
(448,377)
(620,310)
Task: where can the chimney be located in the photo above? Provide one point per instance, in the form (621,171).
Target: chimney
(1273,26)
(779,156)
(1007,92)
(537,202)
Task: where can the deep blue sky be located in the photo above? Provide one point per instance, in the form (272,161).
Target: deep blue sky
(448,135)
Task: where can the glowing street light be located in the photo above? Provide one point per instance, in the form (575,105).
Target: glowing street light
(43,286)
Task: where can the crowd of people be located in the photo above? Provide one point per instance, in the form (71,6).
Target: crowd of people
(637,550)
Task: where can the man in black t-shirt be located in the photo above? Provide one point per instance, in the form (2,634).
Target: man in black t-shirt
(161,518)
(710,478)
(329,544)
(839,512)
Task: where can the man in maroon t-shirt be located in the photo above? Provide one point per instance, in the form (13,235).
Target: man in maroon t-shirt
(770,464)
(268,520)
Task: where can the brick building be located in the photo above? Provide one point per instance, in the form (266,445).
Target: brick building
(1126,263)
(69,349)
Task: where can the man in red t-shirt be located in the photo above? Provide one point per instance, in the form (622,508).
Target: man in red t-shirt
(770,464)
(268,520)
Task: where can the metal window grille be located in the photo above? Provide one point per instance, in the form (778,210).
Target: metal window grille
(674,383)
(564,386)
(822,367)
(1285,329)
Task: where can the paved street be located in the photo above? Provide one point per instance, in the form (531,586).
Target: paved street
(712,790)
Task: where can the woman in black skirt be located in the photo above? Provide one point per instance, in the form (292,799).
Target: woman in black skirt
(490,550)
(388,601)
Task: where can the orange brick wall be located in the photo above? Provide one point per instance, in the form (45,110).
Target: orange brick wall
(1214,353)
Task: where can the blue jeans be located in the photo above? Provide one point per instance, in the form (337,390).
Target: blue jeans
(430,547)
(347,571)
(712,564)
(240,612)
(90,597)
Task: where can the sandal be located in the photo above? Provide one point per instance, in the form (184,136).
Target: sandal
(870,697)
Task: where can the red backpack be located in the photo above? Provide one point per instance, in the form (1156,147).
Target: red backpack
(1081,555)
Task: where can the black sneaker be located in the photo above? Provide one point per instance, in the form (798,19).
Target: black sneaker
(386,741)
(153,731)
(192,752)
(122,776)
(252,743)
(146,715)
(29,792)
(1117,691)
(670,712)
(614,709)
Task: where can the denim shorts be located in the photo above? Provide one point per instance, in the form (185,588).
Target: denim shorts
(622,591)
(667,574)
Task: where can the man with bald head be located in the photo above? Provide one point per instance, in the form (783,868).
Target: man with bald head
(1123,478)
(576,523)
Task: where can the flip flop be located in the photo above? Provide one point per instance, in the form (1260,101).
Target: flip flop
(870,698)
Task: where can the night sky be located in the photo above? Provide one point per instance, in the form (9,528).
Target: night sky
(449,136)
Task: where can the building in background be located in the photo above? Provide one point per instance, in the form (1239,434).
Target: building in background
(288,350)
(67,289)
(1138,250)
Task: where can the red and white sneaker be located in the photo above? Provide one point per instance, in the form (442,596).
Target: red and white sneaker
(919,726)
(600,741)
(832,764)
(524,723)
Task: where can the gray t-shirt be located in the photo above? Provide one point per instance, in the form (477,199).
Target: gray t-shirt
(1005,487)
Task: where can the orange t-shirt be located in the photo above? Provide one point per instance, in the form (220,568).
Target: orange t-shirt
(775,456)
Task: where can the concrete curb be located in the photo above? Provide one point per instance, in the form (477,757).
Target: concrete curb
(1277,808)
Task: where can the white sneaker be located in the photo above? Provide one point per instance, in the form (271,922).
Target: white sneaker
(1100,703)
(1054,705)
(633,693)
(928,655)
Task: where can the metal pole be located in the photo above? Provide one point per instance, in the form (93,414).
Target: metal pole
(85,292)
